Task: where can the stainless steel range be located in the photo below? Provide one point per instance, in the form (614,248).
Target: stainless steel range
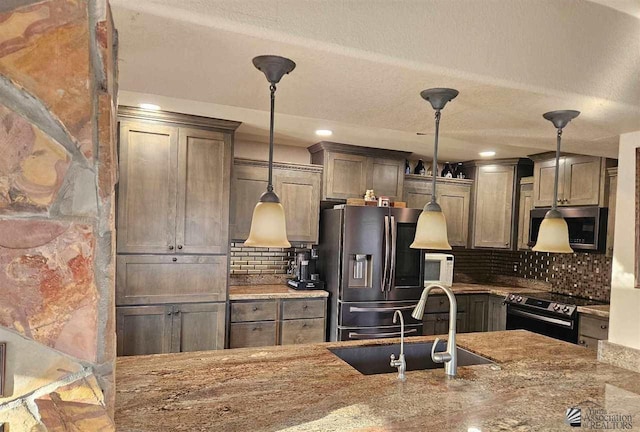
(550,314)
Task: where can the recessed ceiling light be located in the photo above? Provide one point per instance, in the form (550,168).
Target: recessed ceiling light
(149,106)
(487,153)
(324,132)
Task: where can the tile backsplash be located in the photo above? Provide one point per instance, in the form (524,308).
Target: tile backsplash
(261,261)
(580,274)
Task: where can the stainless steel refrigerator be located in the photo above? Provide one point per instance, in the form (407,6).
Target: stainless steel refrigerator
(370,271)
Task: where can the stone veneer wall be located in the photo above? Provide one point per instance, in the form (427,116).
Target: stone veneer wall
(580,274)
(58,87)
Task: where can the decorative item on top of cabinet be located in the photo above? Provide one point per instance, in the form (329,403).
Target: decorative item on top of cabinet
(612,176)
(496,193)
(298,187)
(591,330)
(168,328)
(350,170)
(524,216)
(454,197)
(175,174)
(581,179)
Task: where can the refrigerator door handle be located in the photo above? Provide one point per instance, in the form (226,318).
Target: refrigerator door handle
(383,285)
(355,335)
(392,270)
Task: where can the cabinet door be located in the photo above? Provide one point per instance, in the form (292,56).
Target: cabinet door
(302,331)
(581,180)
(346,176)
(493,207)
(198,327)
(544,175)
(147,188)
(497,314)
(477,313)
(417,193)
(204,169)
(143,330)
(299,193)
(249,183)
(438,324)
(455,201)
(148,279)
(524,215)
(386,177)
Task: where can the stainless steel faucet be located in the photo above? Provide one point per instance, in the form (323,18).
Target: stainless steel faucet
(400,363)
(449,357)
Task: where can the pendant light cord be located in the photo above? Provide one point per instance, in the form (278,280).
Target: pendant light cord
(435,158)
(273,104)
(555,186)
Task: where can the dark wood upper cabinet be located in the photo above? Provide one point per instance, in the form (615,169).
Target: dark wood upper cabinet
(297,186)
(174,185)
(350,170)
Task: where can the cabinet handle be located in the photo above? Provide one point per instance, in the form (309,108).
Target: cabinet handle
(603,326)
(170,247)
(304,325)
(179,246)
(255,329)
(174,259)
(305,307)
(255,308)
(582,342)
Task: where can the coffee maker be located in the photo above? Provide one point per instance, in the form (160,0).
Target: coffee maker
(304,270)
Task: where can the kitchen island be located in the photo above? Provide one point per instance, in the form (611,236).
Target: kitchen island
(307,388)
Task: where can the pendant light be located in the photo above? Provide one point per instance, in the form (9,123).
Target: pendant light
(268,225)
(431,232)
(554,233)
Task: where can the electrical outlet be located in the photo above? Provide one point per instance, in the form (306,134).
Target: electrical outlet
(3,373)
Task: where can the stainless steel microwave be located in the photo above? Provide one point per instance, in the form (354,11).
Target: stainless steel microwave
(587,226)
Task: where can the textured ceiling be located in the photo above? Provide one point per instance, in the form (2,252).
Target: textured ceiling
(361,66)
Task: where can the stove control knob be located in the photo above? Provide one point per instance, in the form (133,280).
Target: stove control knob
(519,299)
(556,307)
(512,297)
(566,309)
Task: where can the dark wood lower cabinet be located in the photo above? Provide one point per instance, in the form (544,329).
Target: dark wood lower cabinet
(277,322)
(170,328)
(478,313)
(497,313)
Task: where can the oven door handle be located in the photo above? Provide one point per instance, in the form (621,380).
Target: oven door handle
(354,335)
(543,318)
(379,309)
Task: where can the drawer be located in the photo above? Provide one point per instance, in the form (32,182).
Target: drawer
(303,331)
(594,327)
(437,304)
(252,334)
(294,309)
(253,311)
(588,342)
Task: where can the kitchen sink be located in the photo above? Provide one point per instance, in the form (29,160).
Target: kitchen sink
(374,359)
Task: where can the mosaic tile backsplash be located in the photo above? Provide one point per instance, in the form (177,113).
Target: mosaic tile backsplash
(580,274)
(261,261)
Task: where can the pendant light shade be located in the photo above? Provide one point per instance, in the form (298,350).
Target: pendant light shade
(553,235)
(431,231)
(268,224)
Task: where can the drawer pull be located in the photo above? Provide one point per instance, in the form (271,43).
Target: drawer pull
(582,342)
(255,308)
(255,329)
(305,307)
(174,259)
(603,326)
(304,325)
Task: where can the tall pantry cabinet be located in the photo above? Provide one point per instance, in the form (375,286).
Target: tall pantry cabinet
(173,231)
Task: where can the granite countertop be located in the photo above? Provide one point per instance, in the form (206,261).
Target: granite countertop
(265,292)
(307,388)
(596,310)
(499,290)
